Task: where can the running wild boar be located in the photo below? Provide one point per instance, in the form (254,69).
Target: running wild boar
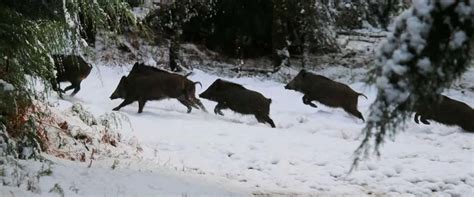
(326,91)
(449,112)
(239,99)
(70,68)
(188,85)
(156,84)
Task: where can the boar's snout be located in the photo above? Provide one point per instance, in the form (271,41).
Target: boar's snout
(290,86)
(114,96)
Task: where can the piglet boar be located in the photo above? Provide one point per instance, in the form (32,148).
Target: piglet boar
(70,68)
(326,91)
(239,99)
(160,85)
(447,111)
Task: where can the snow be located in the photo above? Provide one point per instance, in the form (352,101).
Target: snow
(425,65)
(79,180)
(465,10)
(309,152)
(446,3)
(423,7)
(6,86)
(458,39)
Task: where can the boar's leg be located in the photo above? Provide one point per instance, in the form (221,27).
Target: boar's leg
(199,103)
(76,89)
(68,88)
(307,101)
(468,128)
(219,107)
(265,119)
(186,103)
(74,85)
(57,87)
(123,104)
(417,116)
(424,120)
(355,112)
(141,105)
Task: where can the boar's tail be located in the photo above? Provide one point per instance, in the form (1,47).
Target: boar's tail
(360,94)
(269,100)
(197,82)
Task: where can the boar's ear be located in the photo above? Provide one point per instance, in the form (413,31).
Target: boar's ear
(218,83)
(123,79)
(303,73)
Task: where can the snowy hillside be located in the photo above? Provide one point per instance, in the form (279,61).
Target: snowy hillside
(309,152)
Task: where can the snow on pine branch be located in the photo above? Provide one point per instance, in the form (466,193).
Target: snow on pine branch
(427,50)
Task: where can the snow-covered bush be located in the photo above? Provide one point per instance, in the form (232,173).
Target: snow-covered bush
(428,49)
(78,135)
(84,115)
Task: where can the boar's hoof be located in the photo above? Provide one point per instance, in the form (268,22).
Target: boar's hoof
(272,124)
(116,109)
(417,116)
(424,121)
(218,111)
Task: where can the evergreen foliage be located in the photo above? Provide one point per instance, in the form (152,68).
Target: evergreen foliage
(428,49)
(30,32)
(248,28)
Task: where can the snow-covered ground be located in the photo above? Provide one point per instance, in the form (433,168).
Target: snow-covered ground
(139,179)
(310,151)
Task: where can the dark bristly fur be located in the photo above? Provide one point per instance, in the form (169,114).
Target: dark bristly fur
(449,112)
(326,91)
(70,68)
(146,83)
(239,99)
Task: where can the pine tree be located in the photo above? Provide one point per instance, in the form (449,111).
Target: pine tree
(31,31)
(428,49)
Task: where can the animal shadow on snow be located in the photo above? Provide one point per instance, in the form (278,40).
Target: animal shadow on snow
(157,112)
(439,129)
(334,114)
(232,117)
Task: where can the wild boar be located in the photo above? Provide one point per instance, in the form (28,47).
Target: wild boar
(189,86)
(239,99)
(447,111)
(70,68)
(155,86)
(326,91)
